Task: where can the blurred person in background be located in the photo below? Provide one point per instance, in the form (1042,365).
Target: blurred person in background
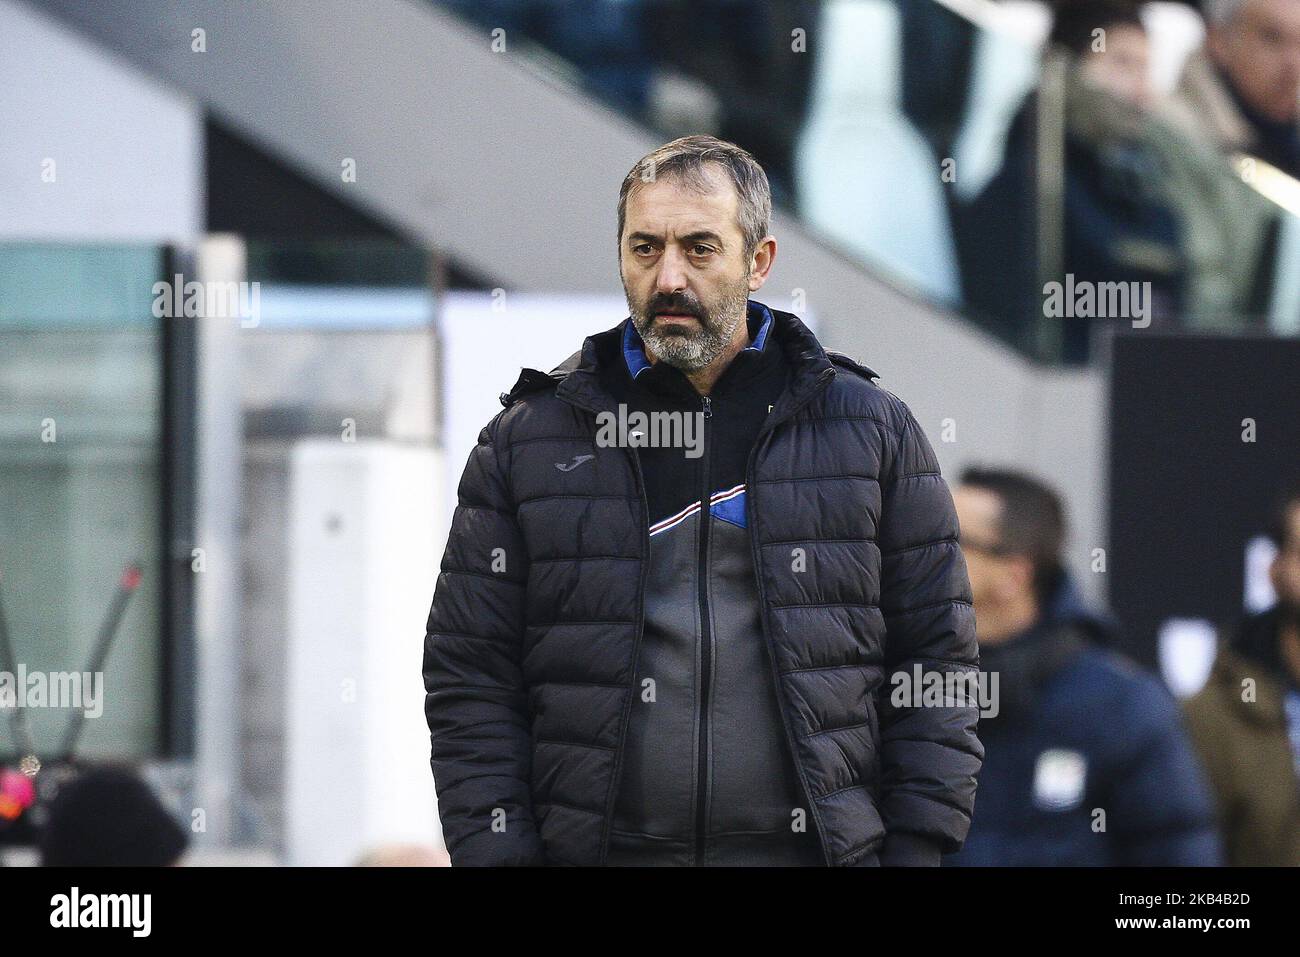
(1111,45)
(108,816)
(404,855)
(1246,720)
(1086,761)
(1242,91)
(1143,201)
(1119,223)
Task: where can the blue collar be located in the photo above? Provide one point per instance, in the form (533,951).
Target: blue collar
(757,316)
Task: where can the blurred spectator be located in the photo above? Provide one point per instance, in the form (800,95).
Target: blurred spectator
(1242,92)
(1246,720)
(109,816)
(405,855)
(1142,202)
(1110,43)
(1119,225)
(1080,731)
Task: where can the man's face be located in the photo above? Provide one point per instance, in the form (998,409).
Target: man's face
(1285,570)
(684,271)
(998,578)
(977,516)
(1260,50)
(1123,69)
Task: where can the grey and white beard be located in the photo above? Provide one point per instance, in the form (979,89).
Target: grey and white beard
(696,350)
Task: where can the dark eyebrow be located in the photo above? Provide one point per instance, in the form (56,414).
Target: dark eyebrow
(700,235)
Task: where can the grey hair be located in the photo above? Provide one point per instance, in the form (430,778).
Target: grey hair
(1219,12)
(684,159)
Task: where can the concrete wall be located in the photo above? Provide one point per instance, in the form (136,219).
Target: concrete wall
(94,148)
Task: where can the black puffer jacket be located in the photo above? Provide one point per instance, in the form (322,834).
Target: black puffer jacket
(531,644)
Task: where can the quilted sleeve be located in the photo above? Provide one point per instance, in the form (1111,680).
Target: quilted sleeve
(476,700)
(929,750)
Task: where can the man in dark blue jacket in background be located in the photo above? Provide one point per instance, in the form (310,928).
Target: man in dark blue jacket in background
(1086,760)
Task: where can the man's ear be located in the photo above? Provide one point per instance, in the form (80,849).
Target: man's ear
(761,264)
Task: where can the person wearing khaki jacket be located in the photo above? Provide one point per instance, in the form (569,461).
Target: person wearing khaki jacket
(1241,92)
(1245,722)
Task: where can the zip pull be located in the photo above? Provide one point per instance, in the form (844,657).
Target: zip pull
(708,406)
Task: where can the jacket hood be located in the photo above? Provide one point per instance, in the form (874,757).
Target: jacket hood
(1066,606)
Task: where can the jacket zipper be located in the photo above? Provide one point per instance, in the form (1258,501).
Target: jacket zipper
(706,643)
(751,509)
(822,380)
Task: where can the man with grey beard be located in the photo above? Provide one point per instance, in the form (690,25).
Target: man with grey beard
(657,655)
(696,345)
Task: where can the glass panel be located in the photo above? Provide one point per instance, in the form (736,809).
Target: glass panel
(357,262)
(80,420)
(357,285)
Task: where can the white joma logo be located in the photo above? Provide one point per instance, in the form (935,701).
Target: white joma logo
(102,910)
(577,460)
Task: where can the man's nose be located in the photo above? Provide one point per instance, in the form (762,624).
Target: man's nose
(672,272)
